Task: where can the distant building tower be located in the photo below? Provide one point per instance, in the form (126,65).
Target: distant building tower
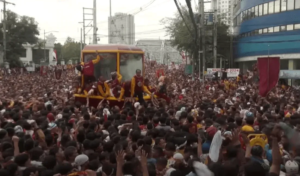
(223,10)
(121,29)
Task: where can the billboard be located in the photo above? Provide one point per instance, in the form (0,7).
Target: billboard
(289,74)
(231,72)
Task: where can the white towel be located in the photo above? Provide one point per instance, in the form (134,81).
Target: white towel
(201,169)
(215,147)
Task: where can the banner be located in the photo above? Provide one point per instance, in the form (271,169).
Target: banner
(231,72)
(268,68)
(188,69)
(43,70)
(289,74)
(159,73)
(57,73)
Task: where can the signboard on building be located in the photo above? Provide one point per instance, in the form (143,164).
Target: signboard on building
(231,72)
(289,74)
(188,69)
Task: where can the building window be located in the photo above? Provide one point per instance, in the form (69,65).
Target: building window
(270,30)
(249,14)
(265,9)
(282,28)
(256,11)
(260,31)
(260,12)
(289,27)
(276,29)
(244,15)
(253,12)
(297,26)
(283,5)
(297,4)
(271,7)
(265,30)
(290,4)
(277,6)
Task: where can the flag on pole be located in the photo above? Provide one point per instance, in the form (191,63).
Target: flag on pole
(54,55)
(269,68)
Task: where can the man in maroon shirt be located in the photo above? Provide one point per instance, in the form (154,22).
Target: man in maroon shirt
(86,69)
(137,85)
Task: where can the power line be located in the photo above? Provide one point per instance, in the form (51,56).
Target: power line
(144,7)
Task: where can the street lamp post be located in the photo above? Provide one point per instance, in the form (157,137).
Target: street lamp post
(4,27)
(45,42)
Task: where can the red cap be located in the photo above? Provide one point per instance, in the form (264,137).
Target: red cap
(211,131)
(72,120)
(50,117)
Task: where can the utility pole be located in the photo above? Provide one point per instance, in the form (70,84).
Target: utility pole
(109,8)
(83,25)
(44,45)
(4,28)
(202,36)
(95,23)
(80,43)
(215,33)
(87,21)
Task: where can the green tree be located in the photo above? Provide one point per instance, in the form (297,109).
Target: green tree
(58,48)
(20,30)
(71,50)
(182,39)
(179,32)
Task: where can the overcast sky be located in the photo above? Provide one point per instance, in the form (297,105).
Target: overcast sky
(64,16)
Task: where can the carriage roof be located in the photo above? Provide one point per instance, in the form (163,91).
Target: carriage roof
(109,47)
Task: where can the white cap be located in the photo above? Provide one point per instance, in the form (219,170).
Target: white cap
(136,104)
(81,159)
(291,167)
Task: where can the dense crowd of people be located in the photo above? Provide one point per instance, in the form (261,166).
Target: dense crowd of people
(210,128)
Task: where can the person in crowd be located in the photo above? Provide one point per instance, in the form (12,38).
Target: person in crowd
(45,131)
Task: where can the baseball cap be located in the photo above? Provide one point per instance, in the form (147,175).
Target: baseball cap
(18,129)
(249,114)
(291,167)
(50,117)
(247,128)
(211,131)
(81,159)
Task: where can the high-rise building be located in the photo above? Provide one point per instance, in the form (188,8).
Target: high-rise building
(223,10)
(121,29)
(267,29)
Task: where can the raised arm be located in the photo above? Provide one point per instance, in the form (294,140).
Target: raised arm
(95,61)
(119,77)
(121,94)
(101,91)
(145,89)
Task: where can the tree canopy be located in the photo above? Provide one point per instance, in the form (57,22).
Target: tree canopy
(19,30)
(184,40)
(70,50)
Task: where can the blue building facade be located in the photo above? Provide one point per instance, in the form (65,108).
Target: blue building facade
(266,28)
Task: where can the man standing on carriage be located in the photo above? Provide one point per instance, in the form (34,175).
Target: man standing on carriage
(101,87)
(113,86)
(137,86)
(126,90)
(86,70)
